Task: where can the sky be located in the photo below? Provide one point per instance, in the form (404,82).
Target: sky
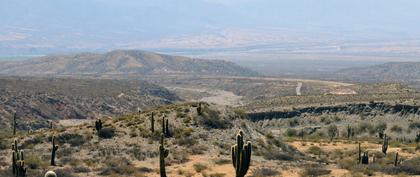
(65,21)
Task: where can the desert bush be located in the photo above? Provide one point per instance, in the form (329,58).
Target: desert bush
(263,171)
(381,126)
(73,139)
(198,149)
(314,170)
(396,128)
(199,167)
(364,127)
(64,172)
(81,169)
(186,141)
(414,125)
(277,155)
(293,122)
(222,161)
(290,132)
(34,162)
(315,150)
(107,133)
(29,143)
(120,166)
(211,120)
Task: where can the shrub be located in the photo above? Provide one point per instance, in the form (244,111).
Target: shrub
(414,125)
(120,166)
(290,132)
(315,170)
(396,128)
(199,167)
(34,162)
(315,150)
(73,139)
(211,120)
(106,133)
(264,171)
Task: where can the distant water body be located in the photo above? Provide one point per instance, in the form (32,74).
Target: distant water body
(18,57)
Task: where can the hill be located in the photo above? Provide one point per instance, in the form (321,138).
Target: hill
(36,100)
(120,62)
(388,72)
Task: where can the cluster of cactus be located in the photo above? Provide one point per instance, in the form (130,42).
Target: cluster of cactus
(350,132)
(165,127)
(365,158)
(98,125)
(152,122)
(163,153)
(18,162)
(53,151)
(241,155)
(199,109)
(385,144)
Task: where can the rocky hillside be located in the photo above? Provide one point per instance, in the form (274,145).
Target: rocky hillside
(121,62)
(388,72)
(37,99)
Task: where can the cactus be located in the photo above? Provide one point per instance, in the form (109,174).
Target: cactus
(53,151)
(50,174)
(385,144)
(381,133)
(396,159)
(199,109)
(241,155)
(163,153)
(349,130)
(98,125)
(365,158)
(165,127)
(14,124)
(51,125)
(152,122)
(18,161)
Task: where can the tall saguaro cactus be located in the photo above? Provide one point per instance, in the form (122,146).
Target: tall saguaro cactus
(53,151)
(396,160)
(241,155)
(18,163)
(165,126)
(385,144)
(14,124)
(152,122)
(98,125)
(163,153)
(199,109)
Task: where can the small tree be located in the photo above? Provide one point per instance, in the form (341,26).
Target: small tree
(332,131)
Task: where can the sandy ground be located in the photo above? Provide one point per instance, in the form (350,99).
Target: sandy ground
(220,97)
(298,87)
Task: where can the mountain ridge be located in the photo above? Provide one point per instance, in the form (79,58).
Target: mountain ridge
(120,62)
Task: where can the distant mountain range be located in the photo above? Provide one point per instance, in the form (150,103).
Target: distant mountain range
(122,63)
(388,72)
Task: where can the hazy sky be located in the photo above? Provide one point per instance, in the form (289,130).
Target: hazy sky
(171,16)
(62,21)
